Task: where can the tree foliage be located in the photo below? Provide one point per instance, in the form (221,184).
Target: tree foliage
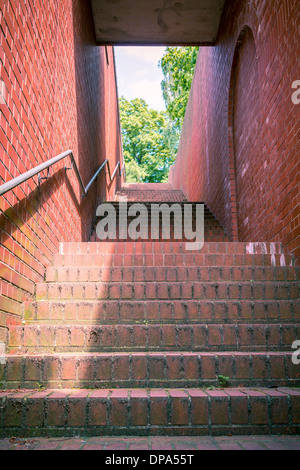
(150,137)
(178,65)
(146,142)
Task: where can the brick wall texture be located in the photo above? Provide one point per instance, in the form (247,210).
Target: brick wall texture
(239,151)
(61,95)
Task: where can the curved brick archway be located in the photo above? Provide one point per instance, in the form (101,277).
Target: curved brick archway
(243,127)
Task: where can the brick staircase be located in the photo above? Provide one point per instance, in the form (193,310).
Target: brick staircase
(162,194)
(212,230)
(140,337)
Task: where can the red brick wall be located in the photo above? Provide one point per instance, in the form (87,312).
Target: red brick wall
(61,95)
(239,150)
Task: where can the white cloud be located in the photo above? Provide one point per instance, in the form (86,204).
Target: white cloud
(138,74)
(149,90)
(141,73)
(147,53)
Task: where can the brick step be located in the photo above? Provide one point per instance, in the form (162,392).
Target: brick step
(170,204)
(170,260)
(172,337)
(208,237)
(148,204)
(168,254)
(151,195)
(208,217)
(163,247)
(154,311)
(171,290)
(159,206)
(210,228)
(209,222)
(143,188)
(210,233)
(175,273)
(161,369)
(149,412)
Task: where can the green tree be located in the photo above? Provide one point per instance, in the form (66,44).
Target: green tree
(146,142)
(178,65)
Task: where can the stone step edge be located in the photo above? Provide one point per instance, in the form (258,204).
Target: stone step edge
(150,411)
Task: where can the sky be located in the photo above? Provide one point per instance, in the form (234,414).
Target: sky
(138,74)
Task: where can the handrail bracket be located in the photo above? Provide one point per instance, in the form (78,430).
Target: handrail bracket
(40,178)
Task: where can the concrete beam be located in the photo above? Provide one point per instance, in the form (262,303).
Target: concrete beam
(157,22)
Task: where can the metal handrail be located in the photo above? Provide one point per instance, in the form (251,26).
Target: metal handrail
(4,188)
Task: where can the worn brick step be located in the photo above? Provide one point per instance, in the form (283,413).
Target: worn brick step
(208,224)
(208,237)
(170,260)
(161,247)
(161,369)
(162,311)
(149,204)
(159,195)
(173,337)
(147,412)
(208,216)
(209,229)
(175,273)
(170,290)
(208,233)
(150,201)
